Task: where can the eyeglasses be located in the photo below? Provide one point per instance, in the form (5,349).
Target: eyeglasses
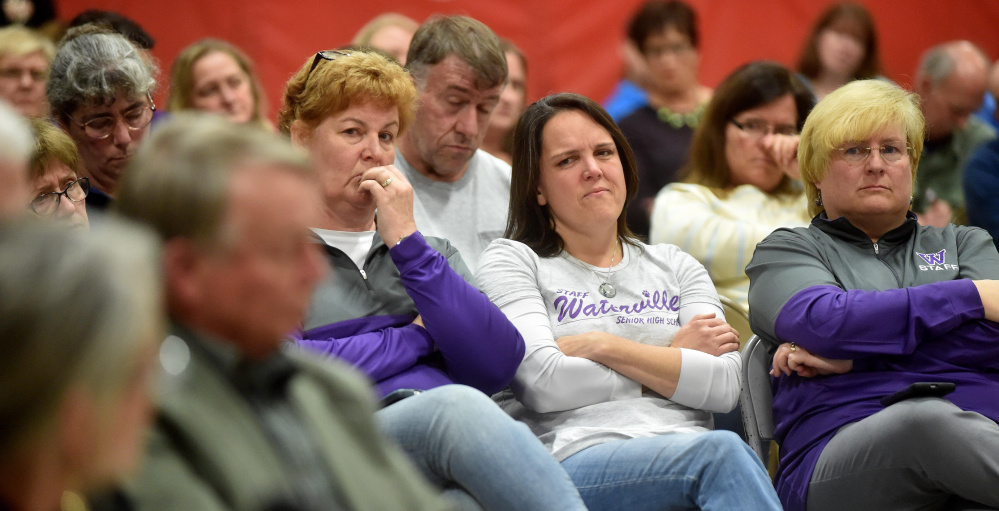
(48,203)
(15,73)
(135,119)
(759,129)
(890,153)
(668,49)
(324,55)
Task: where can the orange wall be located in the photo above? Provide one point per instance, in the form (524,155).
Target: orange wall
(572,45)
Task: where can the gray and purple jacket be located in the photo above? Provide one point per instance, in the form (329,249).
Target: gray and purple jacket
(364,316)
(903,309)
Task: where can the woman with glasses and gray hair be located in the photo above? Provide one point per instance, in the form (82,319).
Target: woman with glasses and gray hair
(80,324)
(402,307)
(742,180)
(865,303)
(100,90)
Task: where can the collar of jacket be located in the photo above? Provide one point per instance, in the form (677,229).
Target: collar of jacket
(842,228)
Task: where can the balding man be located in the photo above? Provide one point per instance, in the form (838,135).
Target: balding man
(951,81)
(981,176)
(16,145)
(242,423)
(461,193)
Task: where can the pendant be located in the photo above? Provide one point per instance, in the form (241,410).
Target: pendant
(607,290)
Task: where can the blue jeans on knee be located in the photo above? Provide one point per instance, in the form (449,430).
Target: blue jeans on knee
(714,470)
(456,435)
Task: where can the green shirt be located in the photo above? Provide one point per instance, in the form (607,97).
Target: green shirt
(212,447)
(940,169)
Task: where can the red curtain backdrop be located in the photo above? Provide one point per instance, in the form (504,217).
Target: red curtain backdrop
(572,45)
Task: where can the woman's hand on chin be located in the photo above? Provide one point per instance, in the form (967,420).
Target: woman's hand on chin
(707,334)
(393,198)
(784,150)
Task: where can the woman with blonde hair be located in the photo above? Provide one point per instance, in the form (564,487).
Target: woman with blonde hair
(213,75)
(25,56)
(874,319)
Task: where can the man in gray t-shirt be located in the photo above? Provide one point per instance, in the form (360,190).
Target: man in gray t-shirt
(461,193)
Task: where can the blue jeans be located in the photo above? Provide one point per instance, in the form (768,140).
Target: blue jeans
(458,437)
(715,470)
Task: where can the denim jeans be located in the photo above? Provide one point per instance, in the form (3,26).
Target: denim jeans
(715,470)
(460,439)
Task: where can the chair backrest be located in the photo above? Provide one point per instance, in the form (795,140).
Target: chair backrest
(756,399)
(738,317)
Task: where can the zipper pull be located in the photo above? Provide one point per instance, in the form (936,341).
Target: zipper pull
(364,275)
(875,251)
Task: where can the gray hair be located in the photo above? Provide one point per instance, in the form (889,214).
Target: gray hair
(94,67)
(16,141)
(178,181)
(76,310)
(466,38)
(938,62)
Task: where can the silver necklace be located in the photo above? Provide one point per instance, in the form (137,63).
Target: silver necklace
(606,289)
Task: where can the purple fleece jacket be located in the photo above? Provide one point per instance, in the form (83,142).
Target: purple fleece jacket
(365,317)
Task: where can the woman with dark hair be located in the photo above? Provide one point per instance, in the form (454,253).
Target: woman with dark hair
(742,181)
(666,36)
(609,323)
(843,46)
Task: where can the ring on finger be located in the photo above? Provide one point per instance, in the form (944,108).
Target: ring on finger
(793,347)
(386,183)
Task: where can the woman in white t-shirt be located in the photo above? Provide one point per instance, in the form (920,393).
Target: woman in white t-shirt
(627,352)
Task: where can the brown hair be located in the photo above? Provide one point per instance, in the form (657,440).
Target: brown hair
(182,76)
(860,20)
(332,85)
(51,143)
(751,85)
(531,223)
(468,39)
(657,15)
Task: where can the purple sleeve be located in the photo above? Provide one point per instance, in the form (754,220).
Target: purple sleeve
(379,353)
(865,323)
(480,346)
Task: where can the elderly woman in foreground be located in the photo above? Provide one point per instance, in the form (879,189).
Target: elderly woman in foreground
(864,302)
(626,353)
(80,320)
